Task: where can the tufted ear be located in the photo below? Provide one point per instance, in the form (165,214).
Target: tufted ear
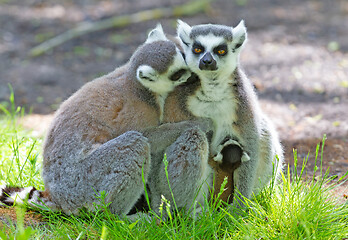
(183,31)
(239,35)
(156,34)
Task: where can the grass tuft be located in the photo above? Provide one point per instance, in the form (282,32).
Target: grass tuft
(20,161)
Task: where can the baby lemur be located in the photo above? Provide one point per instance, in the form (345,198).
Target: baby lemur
(242,133)
(107,134)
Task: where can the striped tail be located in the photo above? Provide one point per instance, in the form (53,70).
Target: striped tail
(10,196)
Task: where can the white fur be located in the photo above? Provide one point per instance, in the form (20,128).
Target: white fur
(218,102)
(219,106)
(210,41)
(239,30)
(160,83)
(2,187)
(161,101)
(20,197)
(156,34)
(183,31)
(151,79)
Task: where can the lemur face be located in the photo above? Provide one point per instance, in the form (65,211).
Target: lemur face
(211,48)
(165,82)
(160,64)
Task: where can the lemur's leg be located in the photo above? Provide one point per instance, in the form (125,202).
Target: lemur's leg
(244,180)
(271,158)
(114,167)
(187,170)
(160,138)
(117,168)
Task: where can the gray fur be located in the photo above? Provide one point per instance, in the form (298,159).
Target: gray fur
(226,96)
(217,30)
(187,158)
(259,140)
(106,135)
(187,171)
(95,142)
(159,55)
(185,90)
(114,167)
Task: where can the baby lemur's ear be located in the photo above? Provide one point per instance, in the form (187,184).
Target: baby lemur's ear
(156,34)
(145,74)
(183,31)
(239,35)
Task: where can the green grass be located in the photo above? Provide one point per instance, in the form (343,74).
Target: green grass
(291,209)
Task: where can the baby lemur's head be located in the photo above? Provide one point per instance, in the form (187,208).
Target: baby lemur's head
(158,63)
(210,49)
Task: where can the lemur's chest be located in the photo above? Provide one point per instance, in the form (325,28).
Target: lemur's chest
(221,107)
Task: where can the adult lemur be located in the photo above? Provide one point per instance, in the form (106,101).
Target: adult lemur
(242,133)
(101,138)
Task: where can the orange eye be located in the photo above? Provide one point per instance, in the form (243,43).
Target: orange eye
(197,50)
(221,52)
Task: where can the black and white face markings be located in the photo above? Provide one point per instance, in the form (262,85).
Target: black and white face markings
(159,64)
(211,47)
(208,58)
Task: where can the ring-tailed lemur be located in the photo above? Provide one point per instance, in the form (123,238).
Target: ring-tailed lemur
(95,143)
(225,95)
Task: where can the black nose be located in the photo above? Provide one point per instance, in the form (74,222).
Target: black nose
(207,62)
(207,58)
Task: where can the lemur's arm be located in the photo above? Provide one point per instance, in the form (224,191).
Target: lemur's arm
(187,172)
(162,136)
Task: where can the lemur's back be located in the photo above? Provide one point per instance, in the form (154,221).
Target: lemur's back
(100,111)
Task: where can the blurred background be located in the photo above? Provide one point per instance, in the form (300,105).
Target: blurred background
(296,56)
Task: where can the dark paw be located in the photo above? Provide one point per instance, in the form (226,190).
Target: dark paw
(229,154)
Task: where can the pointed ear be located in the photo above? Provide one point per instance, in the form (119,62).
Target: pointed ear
(239,35)
(183,31)
(156,34)
(145,74)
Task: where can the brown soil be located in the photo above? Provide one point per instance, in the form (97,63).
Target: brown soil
(8,216)
(297,57)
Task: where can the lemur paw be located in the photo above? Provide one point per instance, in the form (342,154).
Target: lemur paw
(218,157)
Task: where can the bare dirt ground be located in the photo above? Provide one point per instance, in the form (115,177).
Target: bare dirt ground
(297,57)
